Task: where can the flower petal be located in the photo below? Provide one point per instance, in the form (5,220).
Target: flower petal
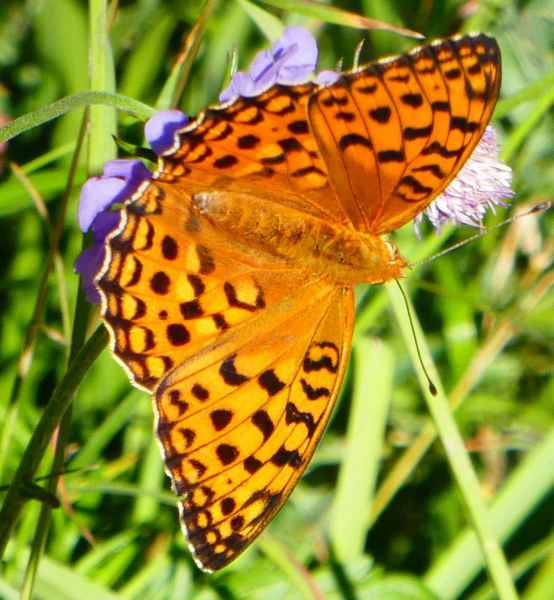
(481,185)
(120,181)
(104,223)
(88,263)
(97,194)
(290,60)
(160,129)
(90,260)
(133,170)
(299,55)
(241,85)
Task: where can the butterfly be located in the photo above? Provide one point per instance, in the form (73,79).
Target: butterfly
(227,286)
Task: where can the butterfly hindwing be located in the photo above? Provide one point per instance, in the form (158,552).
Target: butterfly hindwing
(238,426)
(243,354)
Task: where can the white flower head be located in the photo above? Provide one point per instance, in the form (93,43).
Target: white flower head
(482,184)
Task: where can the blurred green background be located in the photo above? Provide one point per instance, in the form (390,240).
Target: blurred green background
(376,516)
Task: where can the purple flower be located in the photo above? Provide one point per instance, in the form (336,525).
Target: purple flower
(90,260)
(160,130)
(291,60)
(480,185)
(120,180)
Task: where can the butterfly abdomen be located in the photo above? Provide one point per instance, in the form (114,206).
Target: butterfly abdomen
(281,234)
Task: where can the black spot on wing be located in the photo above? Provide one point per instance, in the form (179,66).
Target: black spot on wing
(200,392)
(294,415)
(414,133)
(413,100)
(170,248)
(221,418)
(314,393)
(225,162)
(462,124)
(226,453)
(416,186)
(381,114)
(434,169)
(234,300)
(286,457)
(263,422)
(252,464)
(247,142)
(159,283)
(270,382)
(386,156)
(197,284)
(191,309)
(228,505)
(177,334)
(228,371)
(354,139)
(299,127)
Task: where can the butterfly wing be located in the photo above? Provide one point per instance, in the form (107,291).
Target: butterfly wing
(264,142)
(171,284)
(244,356)
(239,423)
(394,133)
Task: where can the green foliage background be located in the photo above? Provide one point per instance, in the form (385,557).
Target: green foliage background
(486,311)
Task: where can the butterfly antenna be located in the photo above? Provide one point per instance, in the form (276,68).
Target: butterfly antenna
(538,208)
(432,386)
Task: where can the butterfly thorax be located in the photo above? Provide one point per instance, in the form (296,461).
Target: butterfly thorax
(276,232)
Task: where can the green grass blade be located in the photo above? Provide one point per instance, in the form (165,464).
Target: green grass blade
(456,452)
(528,94)
(522,132)
(521,493)
(102,79)
(140,71)
(268,24)
(60,107)
(373,374)
(542,551)
(332,14)
(171,93)
(297,575)
(58,581)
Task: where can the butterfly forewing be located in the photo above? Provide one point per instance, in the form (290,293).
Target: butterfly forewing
(393,134)
(237,432)
(171,284)
(265,140)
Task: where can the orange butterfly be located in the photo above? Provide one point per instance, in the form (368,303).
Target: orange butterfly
(227,281)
